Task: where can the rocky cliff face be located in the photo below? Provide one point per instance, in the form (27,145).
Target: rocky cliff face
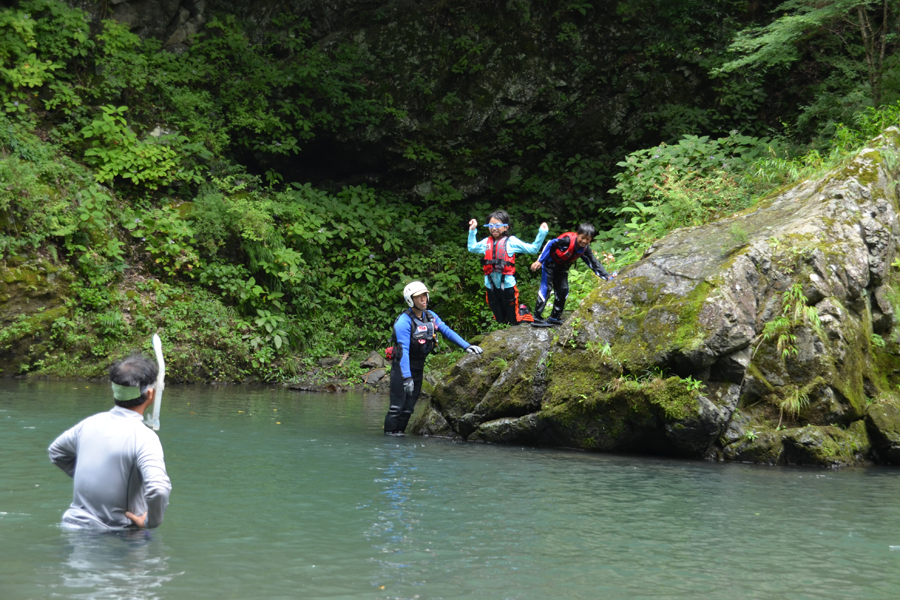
(765,337)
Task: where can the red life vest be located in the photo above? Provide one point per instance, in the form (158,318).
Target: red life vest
(496,258)
(570,254)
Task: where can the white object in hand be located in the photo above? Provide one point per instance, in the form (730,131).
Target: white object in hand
(153,422)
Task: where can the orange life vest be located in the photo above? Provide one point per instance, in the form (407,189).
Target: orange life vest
(496,258)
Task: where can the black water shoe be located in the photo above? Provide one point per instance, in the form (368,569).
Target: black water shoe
(554,321)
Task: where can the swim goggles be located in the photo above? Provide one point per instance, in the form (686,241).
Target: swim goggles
(496,225)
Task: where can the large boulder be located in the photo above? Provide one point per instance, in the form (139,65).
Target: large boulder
(675,356)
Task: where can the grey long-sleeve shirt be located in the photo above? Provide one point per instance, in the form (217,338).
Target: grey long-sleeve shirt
(117,464)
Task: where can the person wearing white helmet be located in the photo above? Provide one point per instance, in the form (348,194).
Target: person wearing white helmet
(414,337)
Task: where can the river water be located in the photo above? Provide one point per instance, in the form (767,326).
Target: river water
(278,494)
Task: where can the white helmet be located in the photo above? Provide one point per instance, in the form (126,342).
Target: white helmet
(414,289)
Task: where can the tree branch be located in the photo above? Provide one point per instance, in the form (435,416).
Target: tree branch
(865,29)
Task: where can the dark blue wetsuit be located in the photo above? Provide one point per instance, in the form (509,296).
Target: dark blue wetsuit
(555,274)
(415,338)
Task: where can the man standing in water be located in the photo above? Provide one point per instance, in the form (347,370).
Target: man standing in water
(117,462)
(414,337)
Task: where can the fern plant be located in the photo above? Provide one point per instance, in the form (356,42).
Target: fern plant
(794,313)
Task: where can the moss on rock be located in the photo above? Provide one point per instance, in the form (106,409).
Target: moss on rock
(33,292)
(883,421)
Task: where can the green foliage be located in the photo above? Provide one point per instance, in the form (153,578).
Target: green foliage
(21,67)
(268,332)
(689,183)
(167,237)
(225,92)
(698,180)
(794,402)
(32,206)
(794,313)
(21,326)
(693,385)
(854,42)
(645,171)
(867,124)
(419,152)
(252,272)
(603,350)
(471,50)
(776,43)
(571,185)
(582,281)
(116,151)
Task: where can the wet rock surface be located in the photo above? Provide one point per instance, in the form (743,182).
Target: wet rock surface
(674,356)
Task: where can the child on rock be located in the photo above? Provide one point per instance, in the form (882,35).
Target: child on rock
(499,263)
(555,261)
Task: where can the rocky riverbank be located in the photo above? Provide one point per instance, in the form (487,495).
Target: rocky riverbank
(767,337)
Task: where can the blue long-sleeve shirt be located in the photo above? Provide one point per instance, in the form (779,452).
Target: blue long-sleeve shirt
(587,255)
(513,246)
(403,331)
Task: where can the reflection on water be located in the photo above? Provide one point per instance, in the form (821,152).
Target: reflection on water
(278,495)
(117,565)
(402,553)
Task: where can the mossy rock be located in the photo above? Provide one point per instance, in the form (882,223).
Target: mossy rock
(508,430)
(430,422)
(883,421)
(661,416)
(33,292)
(504,381)
(827,446)
(822,446)
(764,448)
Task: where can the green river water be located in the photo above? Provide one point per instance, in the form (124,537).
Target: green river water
(278,494)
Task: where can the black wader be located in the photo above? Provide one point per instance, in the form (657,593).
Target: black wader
(403,405)
(504,304)
(421,343)
(557,280)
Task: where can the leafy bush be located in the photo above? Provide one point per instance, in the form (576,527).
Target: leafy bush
(689,183)
(116,151)
(168,238)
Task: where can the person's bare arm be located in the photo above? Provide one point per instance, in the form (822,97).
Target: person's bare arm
(137,520)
